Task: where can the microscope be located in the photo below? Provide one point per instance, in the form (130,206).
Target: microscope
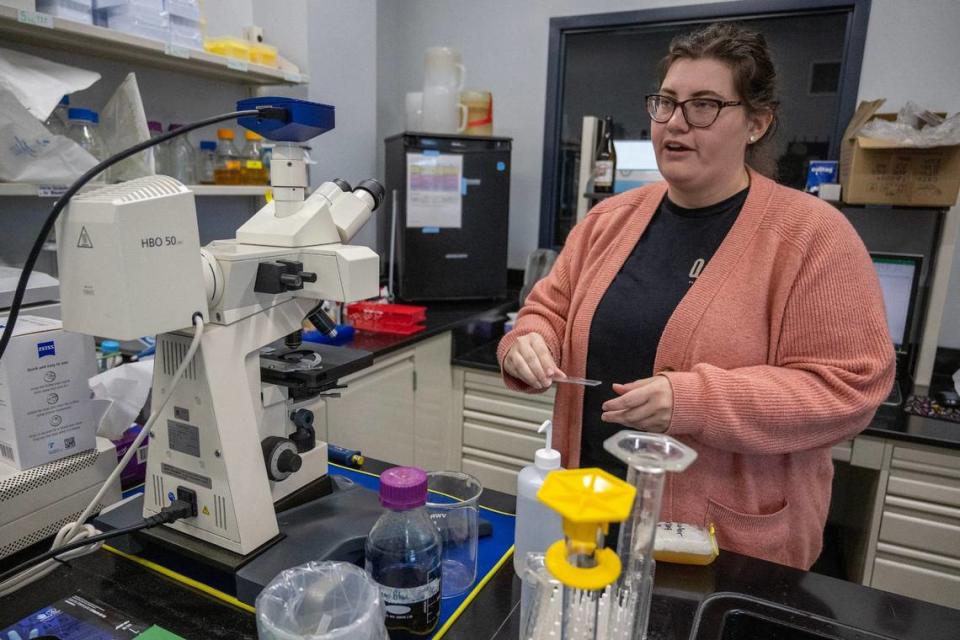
(231,439)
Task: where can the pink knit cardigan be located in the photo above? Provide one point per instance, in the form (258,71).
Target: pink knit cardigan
(778,351)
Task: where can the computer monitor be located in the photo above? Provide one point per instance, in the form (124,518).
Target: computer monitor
(899,279)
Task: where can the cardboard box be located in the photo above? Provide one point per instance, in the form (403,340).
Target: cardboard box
(876,171)
(45,409)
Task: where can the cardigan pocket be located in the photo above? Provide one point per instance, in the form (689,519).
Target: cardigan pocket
(759,535)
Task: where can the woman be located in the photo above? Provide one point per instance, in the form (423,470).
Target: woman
(737,315)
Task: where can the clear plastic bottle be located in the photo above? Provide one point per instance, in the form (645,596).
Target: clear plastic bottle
(252,170)
(207,162)
(157,151)
(181,158)
(108,355)
(57,122)
(403,554)
(83,131)
(227,170)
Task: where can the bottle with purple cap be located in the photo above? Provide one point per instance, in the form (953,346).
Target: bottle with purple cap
(403,554)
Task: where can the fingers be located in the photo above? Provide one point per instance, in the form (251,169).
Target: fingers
(628,399)
(545,358)
(531,361)
(645,404)
(620,389)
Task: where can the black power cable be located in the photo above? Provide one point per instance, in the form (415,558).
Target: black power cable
(261,113)
(178,509)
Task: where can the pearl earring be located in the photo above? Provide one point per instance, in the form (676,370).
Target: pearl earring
(753,138)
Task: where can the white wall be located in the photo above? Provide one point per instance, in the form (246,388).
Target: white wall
(911,52)
(342,40)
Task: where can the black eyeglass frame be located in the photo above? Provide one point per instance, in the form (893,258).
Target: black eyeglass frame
(721,104)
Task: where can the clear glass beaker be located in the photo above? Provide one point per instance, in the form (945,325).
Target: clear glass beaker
(321,601)
(453,502)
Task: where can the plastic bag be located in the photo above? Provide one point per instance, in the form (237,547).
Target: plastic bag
(39,84)
(30,153)
(123,124)
(321,601)
(118,396)
(937,132)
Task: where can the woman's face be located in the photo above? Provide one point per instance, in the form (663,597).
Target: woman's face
(703,160)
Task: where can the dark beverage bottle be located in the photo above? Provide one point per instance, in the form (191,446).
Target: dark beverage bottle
(605,163)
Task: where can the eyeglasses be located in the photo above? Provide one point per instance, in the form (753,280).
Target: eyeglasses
(698,112)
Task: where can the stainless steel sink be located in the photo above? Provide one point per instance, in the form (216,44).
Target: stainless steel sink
(729,616)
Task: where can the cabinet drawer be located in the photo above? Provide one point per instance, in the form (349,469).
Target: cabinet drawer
(482,434)
(929,457)
(920,526)
(498,405)
(491,475)
(899,576)
(924,482)
(493,384)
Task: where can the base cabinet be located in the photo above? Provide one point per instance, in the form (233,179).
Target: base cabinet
(498,427)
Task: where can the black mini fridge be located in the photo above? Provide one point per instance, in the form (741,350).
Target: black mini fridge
(447,216)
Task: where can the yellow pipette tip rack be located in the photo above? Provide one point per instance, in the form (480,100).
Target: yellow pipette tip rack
(588,500)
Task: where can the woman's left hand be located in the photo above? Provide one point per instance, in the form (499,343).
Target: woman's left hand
(645,405)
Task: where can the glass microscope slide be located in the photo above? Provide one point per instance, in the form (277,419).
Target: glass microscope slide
(586,382)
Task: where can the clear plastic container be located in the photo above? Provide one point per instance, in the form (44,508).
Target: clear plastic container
(252,170)
(181,158)
(108,355)
(321,601)
(83,131)
(207,162)
(264,54)
(228,46)
(146,18)
(157,151)
(227,170)
(75,10)
(58,121)
(403,555)
(185,32)
(187,9)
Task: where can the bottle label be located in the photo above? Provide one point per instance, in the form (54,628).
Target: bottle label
(603,173)
(232,165)
(254,164)
(415,609)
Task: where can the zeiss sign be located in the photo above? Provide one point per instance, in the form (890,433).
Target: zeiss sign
(45,349)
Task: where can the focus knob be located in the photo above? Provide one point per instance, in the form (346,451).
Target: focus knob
(289,462)
(281,458)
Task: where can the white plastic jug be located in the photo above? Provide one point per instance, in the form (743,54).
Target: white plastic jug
(443,78)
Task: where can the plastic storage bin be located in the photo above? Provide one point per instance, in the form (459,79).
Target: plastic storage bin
(399,319)
(263,54)
(146,18)
(76,10)
(228,46)
(185,33)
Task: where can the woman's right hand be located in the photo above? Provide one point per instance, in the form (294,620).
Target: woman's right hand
(530,360)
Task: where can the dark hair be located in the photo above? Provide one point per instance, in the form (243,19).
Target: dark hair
(754,74)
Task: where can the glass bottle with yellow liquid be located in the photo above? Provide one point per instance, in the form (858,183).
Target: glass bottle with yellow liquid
(253,171)
(228,169)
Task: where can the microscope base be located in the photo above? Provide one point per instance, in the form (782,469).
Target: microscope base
(333,527)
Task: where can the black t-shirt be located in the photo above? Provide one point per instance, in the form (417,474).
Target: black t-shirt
(633,312)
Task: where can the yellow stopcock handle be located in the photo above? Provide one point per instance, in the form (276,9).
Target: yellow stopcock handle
(588,500)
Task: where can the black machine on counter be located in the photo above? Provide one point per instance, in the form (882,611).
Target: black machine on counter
(448,216)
